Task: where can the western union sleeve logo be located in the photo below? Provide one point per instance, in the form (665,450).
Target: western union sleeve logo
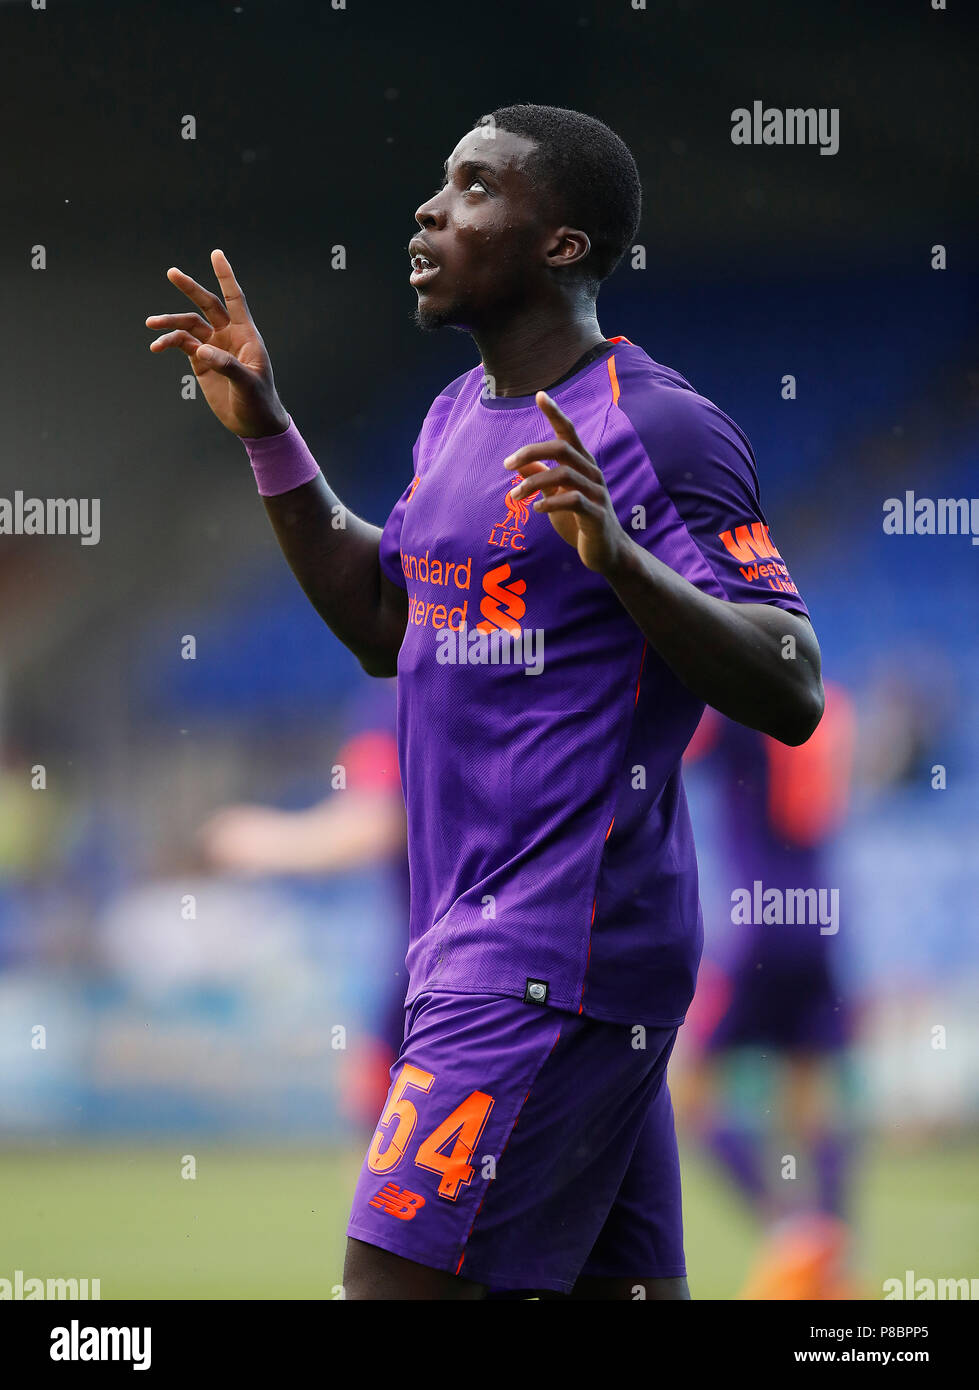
(751,543)
(745,544)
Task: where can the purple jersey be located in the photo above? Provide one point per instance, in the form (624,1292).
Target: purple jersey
(548,834)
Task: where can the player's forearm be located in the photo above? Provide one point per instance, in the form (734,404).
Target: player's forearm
(334,554)
(350,831)
(733,656)
(338,568)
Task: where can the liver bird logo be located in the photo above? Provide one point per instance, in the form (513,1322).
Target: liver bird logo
(519,511)
(509,531)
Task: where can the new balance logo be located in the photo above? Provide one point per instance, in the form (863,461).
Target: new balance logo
(397,1201)
(746,543)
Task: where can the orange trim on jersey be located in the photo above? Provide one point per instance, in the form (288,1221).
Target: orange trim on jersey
(581,1006)
(642,662)
(594,906)
(614,380)
(620,339)
(594,909)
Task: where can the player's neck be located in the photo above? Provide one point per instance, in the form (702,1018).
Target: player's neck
(532,352)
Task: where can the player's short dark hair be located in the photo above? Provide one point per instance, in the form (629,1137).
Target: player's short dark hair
(588,172)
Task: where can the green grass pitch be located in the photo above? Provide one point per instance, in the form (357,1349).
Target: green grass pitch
(260,1224)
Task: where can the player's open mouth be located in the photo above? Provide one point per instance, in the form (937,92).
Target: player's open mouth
(422,270)
(423,267)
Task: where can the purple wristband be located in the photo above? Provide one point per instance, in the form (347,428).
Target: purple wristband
(281,462)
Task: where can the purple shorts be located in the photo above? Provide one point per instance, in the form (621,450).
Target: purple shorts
(523,1146)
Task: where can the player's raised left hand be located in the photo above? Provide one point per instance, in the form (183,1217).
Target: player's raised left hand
(226,352)
(575,497)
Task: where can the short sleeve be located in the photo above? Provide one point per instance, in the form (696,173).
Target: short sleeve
(704,465)
(427,441)
(390,551)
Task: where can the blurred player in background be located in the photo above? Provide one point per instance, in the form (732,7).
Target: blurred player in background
(776,989)
(361,825)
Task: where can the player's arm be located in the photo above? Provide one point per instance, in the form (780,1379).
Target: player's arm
(339,570)
(731,655)
(351,831)
(338,566)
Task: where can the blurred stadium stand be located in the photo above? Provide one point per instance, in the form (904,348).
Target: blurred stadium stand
(760,264)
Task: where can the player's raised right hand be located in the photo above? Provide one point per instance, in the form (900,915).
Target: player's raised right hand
(226,352)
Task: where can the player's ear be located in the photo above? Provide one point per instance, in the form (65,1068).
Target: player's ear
(568,246)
